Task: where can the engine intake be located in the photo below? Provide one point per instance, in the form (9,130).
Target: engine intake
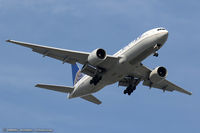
(162,71)
(101,53)
(158,74)
(97,56)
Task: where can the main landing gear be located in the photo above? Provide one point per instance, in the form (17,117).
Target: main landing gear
(129,89)
(131,83)
(95,80)
(94,72)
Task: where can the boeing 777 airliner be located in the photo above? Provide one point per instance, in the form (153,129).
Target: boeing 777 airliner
(100,69)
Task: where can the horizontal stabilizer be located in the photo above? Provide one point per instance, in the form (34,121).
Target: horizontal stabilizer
(64,89)
(92,99)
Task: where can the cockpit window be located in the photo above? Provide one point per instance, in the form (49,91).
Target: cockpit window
(160,29)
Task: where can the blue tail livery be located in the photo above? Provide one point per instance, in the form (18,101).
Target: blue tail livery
(76,74)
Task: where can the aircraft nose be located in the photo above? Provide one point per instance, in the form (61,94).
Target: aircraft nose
(164,34)
(163,37)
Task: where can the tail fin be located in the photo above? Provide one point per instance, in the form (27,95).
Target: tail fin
(76,74)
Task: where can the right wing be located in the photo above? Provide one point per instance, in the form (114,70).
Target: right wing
(64,55)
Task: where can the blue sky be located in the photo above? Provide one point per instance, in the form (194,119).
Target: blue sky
(86,25)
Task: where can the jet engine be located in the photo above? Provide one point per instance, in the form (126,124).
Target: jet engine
(97,56)
(158,74)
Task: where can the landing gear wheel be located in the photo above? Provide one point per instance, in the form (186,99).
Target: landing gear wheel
(134,88)
(131,84)
(156,54)
(129,93)
(91,81)
(95,80)
(125,91)
(95,83)
(129,90)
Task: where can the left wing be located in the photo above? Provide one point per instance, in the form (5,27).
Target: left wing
(65,55)
(143,72)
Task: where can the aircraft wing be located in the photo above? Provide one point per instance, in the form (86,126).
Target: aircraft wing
(143,72)
(64,55)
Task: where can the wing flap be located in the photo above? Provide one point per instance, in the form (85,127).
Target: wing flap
(64,89)
(92,99)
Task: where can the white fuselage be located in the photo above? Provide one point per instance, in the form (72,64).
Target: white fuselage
(131,55)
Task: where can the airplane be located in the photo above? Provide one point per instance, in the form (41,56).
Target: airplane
(100,69)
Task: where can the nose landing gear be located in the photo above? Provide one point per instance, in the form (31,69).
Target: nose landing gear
(156,54)
(156,47)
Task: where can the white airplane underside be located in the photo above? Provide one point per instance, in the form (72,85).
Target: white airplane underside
(100,69)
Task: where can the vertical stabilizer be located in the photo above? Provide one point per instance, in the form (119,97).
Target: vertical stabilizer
(76,73)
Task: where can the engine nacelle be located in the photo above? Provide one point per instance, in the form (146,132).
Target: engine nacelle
(158,74)
(97,56)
